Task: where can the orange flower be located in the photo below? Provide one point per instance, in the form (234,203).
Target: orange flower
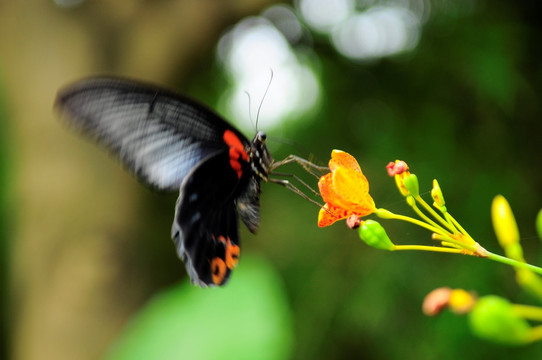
(345,190)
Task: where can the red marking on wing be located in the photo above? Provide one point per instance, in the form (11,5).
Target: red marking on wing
(237,151)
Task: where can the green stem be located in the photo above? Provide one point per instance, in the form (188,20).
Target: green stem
(514,263)
(386,214)
(425,217)
(453,242)
(457,224)
(528,312)
(428,248)
(490,256)
(434,213)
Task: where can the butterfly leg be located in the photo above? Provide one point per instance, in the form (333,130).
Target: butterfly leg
(296,178)
(309,166)
(288,185)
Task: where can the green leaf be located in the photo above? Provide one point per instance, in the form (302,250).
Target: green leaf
(249,318)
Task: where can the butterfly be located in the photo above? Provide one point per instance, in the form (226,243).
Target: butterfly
(171,143)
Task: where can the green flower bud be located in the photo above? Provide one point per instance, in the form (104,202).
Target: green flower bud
(493,318)
(373,234)
(411,184)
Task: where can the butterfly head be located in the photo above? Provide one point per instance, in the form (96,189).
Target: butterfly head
(260,158)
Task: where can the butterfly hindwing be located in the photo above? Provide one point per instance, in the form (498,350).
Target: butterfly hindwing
(248,205)
(205,228)
(157,134)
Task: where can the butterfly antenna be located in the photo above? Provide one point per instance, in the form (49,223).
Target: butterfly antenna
(250,109)
(263,97)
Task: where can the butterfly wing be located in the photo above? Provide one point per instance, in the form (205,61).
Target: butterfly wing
(171,142)
(205,229)
(157,134)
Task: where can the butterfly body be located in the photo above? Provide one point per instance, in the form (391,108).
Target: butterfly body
(173,143)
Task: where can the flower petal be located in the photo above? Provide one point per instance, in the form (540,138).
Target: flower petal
(345,190)
(329,214)
(341,159)
(324,185)
(352,189)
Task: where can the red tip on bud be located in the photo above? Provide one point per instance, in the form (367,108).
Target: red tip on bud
(397,167)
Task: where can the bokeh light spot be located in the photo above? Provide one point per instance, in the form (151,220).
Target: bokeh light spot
(249,52)
(323,15)
(372,30)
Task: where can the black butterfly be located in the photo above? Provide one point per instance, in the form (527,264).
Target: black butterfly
(171,142)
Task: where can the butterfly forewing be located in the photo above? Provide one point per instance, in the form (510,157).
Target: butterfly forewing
(159,135)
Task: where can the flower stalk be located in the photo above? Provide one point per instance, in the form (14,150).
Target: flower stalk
(346,193)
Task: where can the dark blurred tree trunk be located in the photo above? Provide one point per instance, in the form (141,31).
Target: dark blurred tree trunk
(76,210)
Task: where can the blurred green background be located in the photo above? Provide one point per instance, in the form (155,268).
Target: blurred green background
(88,267)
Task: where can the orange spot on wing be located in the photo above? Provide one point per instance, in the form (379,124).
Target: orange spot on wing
(218,270)
(232,254)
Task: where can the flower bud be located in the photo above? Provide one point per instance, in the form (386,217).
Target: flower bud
(353,221)
(400,183)
(504,223)
(493,318)
(373,234)
(411,183)
(399,170)
(436,194)
(461,301)
(436,301)
(457,300)
(396,168)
